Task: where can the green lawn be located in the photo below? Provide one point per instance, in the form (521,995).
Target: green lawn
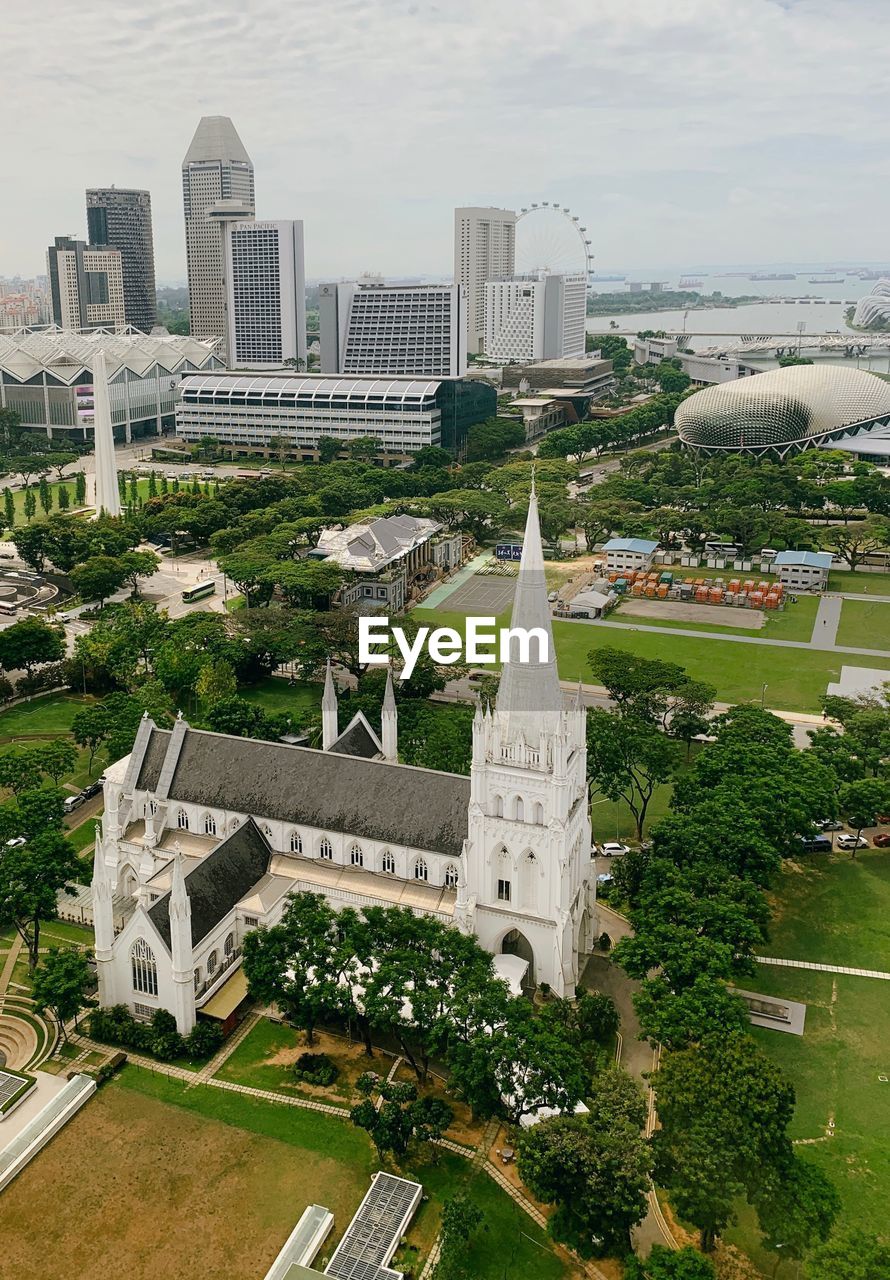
(865,623)
(50,713)
(835,911)
(83,835)
(275,694)
(794,622)
(329,1143)
(18,496)
(877,584)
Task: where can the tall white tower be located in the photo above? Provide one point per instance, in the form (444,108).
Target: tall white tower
(389,722)
(329,726)
(180,913)
(484,249)
(528,887)
(108,497)
(103,919)
(216,169)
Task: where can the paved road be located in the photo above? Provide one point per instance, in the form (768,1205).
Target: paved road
(826,623)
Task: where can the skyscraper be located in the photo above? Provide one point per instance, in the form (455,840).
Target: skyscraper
(535,317)
(414,330)
(121,219)
(216,169)
(484,249)
(86,285)
(265,293)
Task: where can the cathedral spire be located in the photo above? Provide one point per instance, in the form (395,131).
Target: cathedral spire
(530,699)
(389,729)
(329,724)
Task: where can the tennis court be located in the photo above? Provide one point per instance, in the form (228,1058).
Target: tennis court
(484,595)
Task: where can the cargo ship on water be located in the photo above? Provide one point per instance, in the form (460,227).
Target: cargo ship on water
(774,275)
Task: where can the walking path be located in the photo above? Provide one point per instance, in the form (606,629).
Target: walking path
(823,968)
(12,956)
(711,635)
(826,623)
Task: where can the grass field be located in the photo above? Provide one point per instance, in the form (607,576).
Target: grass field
(795,622)
(796,679)
(877,584)
(49,713)
(865,623)
(296,700)
(834,911)
(18,497)
(183,1182)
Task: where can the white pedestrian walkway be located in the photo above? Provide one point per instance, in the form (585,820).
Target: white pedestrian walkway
(823,968)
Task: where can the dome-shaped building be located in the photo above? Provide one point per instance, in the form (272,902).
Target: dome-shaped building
(874,308)
(784,410)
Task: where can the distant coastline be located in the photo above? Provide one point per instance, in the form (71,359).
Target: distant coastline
(618,304)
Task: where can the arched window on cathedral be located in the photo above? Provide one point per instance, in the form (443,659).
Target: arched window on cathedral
(212,963)
(420,869)
(519,809)
(451,876)
(296,842)
(234,824)
(267,831)
(499,806)
(503,885)
(145,969)
(182,820)
(528,870)
(151,808)
(388,863)
(326,849)
(209,824)
(356,857)
(229,944)
(538,814)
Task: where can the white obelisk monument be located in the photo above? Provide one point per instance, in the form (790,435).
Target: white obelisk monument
(108,497)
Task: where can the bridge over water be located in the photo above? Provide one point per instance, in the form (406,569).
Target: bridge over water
(780,344)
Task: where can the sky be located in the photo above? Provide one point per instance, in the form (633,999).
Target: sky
(689,132)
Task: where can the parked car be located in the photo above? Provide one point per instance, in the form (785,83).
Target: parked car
(850,841)
(830,824)
(882,840)
(883,817)
(553,596)
(92,790)
(816,844)
(612,849)
(73,802)
(604,879)
(16,842)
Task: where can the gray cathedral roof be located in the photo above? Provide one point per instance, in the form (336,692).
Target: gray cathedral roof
(218,882)
(394,804)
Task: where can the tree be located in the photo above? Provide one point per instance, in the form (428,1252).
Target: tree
(31,878)
(493,438)
(851,1253)
(46,497)
(9,507)
(627,758)
(854,542)
(31,541)
(29,504)
(216,680)
(536,1064)
(670,1264)
(21,768)
(80,489)
(60,984)
(57,758)
(64,497)
(30,643)
(240,718)
(796,1209)
(638,685)
(291,964)
(595,1168)
(860,801)
(98,578)
(717,1143)
(328,448)
(138,564)
(90,727)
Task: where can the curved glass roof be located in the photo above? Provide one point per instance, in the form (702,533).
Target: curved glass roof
(310,386)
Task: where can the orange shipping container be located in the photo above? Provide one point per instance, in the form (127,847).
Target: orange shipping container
(662,590)
(637,589)
(755,599)
(716,595)
(702,595)
(650,590)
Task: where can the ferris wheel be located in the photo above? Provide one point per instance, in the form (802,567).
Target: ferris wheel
(549,237)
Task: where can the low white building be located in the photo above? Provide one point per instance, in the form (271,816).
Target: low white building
(388,556)
(623,554)
(803,570)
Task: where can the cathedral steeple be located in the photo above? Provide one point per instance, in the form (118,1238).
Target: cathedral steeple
(530,700)
(389,723)
(329,726)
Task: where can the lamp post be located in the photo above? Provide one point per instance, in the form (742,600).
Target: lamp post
(763,689)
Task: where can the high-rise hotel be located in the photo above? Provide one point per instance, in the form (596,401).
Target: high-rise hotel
(265,294)
(119,218)
(484,249)
(217,187)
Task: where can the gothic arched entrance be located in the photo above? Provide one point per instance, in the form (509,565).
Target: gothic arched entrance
(516,944)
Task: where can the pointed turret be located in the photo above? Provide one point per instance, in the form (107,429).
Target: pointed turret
(179,909)
(103,920)
(389,723)
(107,495)
(530,699)
(329,724)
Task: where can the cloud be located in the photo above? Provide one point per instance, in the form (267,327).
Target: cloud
(703,130)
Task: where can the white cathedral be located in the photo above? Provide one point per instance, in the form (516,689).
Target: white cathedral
(206,836)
